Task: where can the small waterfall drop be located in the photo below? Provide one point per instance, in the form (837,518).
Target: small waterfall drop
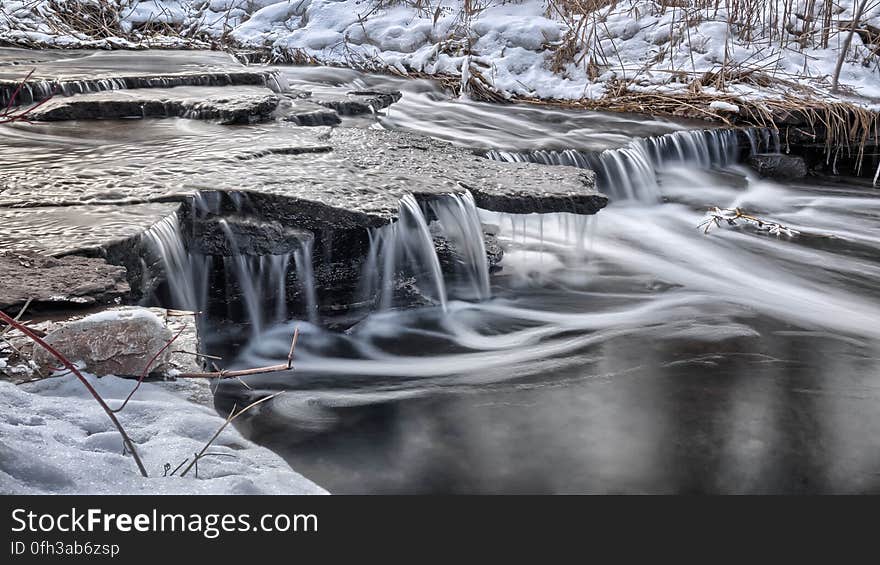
(304,274)
(459,222)
(629,173)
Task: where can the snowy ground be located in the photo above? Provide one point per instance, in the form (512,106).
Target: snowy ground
(527,48)
(55,439)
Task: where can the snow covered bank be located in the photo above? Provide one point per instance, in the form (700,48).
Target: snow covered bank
(55,439)
(548,49)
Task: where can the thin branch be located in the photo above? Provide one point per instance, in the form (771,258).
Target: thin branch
(229,419)
(146,370)
(222,374)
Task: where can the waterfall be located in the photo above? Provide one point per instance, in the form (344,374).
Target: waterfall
(459,222)
(257,286)
(629,173)
(304,274)
(187,275)
(406,249)
(260,282)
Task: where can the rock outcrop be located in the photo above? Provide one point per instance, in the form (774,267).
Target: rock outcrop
(67,282)
(778,166)
(244,105)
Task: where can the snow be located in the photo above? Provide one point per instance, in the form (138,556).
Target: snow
(721,106)
(520,47)
(55,439)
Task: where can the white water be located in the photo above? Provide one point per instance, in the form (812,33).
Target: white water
(638,268)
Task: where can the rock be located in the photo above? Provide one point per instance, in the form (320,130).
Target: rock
(211,237)
(778,166)
(357,102)
(306,113)
(58,282)
(116,342)
(81,72)
(239,105)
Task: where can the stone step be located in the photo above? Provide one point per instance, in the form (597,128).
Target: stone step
(98,71)
(225,105)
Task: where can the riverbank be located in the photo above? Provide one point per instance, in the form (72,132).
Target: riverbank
(608,53)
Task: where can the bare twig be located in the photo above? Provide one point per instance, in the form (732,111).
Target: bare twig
(846,43)
(247,372)
(731,216)
(229,419)
(146,370)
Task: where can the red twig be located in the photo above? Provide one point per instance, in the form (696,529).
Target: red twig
(146,370)
(6,116)
(15,94)
(129,445)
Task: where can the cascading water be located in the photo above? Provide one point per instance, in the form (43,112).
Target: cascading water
(629,173)
(459,222)
(187,275)
(259,282)
(407,249)
(304,274)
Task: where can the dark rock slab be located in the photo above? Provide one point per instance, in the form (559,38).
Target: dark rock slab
(58,282)
(239,105)
(295,180)
(356,102)
(211,236)
(308,113)
(778,166)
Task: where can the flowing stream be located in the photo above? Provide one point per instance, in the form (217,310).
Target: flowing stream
(622,352)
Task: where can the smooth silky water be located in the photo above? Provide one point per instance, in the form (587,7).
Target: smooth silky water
(622,352)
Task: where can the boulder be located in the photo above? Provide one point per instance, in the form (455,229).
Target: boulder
(778,166)
(117,342)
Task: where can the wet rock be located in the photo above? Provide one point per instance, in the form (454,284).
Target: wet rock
(357,102)
(211,236)
(116,342)
(778,166)
(306,113)
(58,282)
(225,106)
(449,256)
(79,72)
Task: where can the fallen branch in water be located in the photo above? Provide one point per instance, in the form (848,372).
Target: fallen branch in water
(731,216)
(222,374)
(126,441)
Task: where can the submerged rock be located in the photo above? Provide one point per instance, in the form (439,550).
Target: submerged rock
(58,282)
(307,113)
(117,342)
(778,166)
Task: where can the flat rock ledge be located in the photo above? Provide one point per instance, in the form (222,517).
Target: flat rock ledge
(67,282)
(239,106)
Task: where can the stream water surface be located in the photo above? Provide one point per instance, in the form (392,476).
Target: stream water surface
(625,352)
